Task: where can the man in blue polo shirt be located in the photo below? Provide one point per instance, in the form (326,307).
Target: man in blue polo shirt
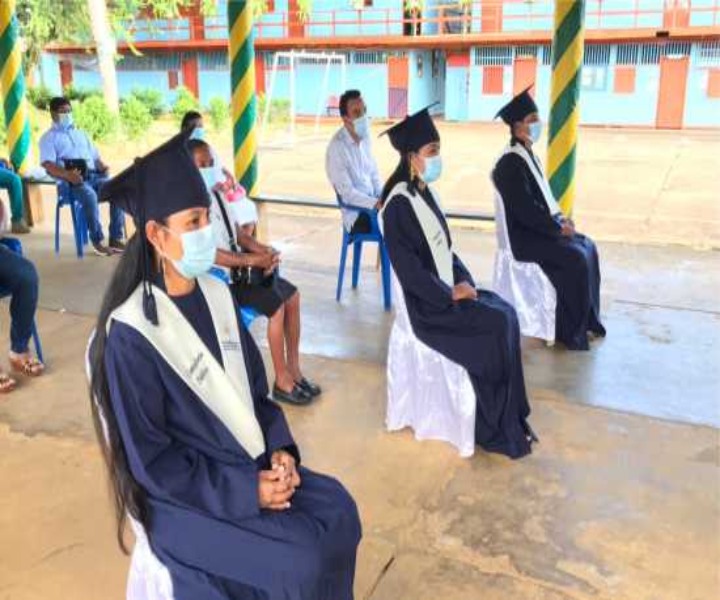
(67,153)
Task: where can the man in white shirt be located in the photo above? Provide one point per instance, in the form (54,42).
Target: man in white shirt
(349,163)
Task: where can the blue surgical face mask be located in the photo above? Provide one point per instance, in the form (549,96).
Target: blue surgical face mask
(65,120)
(199,251)
(535,129)
(433,168)
(362,126)
(198,134)
(209,175)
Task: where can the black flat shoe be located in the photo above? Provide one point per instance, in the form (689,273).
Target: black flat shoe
(530,434)
(298,396)
(311,388)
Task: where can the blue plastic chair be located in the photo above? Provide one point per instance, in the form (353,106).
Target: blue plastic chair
(15,246)
(356,241)
(66,197)
(247,314)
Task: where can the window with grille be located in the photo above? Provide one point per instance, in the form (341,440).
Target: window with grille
(493,56)
(214,61)
(709,54)
(546,55)
(526,51)
(151,62)
(596,54)
(627,54)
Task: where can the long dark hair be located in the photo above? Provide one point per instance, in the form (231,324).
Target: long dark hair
(402,173)
(127,494)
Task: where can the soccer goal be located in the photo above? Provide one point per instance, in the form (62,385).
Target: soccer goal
(319,91)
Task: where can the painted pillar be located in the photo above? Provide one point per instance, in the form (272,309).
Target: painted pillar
(242,70)
(12,86)
(567,57)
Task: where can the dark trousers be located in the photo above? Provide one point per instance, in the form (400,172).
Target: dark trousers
(362,224)
(87,194)
(18,276)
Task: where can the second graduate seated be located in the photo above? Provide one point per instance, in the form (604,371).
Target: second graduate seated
(472,327)
(540,233)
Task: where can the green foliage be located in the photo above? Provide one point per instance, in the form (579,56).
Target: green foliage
(80,94)
(152,99)
(184,101)
(219,112)
(279,109)
(45,21)
(94,117)
(39,97)
(304,8)
(135,118)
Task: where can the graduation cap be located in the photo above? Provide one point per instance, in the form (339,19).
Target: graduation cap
(155,186)
(518,108)
(413,132)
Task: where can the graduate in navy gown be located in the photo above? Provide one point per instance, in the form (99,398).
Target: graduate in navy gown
(472,327)
(540,233)
(197,452)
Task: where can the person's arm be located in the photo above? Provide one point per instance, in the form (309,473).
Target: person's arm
(338,172)
(249,244)
(269,415)
(241,260)
(512,180)
(166,467)
(403,235)
(460,272)
(49,161)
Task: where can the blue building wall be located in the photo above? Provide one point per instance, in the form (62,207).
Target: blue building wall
(456,93)
(427,87)
(700,110)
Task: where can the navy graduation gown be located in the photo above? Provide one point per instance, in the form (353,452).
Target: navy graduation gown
(205,522)
(571,263)
(482,335)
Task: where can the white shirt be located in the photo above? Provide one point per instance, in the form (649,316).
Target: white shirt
(353,173)
(240,212)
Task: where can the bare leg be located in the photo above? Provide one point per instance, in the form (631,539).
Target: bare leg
(283,379)
(292,335)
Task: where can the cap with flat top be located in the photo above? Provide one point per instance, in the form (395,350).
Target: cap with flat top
(157,185)
(518,108)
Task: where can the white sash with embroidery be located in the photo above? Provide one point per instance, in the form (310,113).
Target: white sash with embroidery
(225,391)
(432,229)
(542,182)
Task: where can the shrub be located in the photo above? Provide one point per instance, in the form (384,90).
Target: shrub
(39,97)
(135,118)
(219,112)
(279,109)
(184,101)
(94,117)
(80,94)
(152,99)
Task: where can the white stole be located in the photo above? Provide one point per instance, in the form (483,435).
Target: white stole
(542,182)
(225,391)
(432,230)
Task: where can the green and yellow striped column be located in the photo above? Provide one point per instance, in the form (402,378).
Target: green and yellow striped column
(242,70)
(567,57)
(12,86)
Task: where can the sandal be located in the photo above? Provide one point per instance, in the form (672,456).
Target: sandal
(26,364)
(7,383)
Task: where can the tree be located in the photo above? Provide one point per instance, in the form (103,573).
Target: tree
(81,21)
(106,49)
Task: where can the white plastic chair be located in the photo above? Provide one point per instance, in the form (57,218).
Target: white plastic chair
(426,391)
(148,578)
(523,284)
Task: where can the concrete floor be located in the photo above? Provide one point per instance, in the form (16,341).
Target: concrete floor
(620,501)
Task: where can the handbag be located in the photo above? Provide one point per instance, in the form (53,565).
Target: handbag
(245,276)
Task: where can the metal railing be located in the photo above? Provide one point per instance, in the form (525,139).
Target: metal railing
(269,200)
(488,16)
